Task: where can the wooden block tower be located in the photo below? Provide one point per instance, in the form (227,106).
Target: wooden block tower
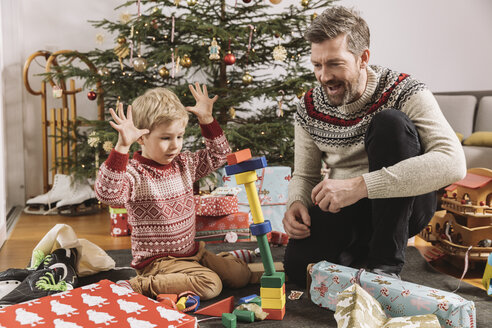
(272,283)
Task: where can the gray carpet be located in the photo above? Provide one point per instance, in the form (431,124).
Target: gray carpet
(303,313)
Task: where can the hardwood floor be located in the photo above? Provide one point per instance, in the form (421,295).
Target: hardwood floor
(30,229)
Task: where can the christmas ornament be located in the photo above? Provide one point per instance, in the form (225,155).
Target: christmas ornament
(246,1)
(229,59)
(279,53)
(164,72)
(121,39)
(155,24)
(140,64)
(185,61)
(232,112)
(214,50)
(104,71)
(300,93)
(275,2)
(313,16)
(91,95)
(247,78)
(191,3)
(125,17)
(57,92)
(280,111)
(99,38)
(305,3)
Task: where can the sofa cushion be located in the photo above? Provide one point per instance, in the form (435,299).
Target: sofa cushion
(459,112)
(483,121)
(480,138)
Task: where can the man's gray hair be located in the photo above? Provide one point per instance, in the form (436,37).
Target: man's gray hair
(338,20)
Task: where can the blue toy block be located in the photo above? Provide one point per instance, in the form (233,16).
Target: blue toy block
(192,300)
(258,229)
(249,165)
(247,299)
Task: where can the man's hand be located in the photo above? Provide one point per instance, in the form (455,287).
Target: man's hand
(332,195)
(204,104)
(297,221)
(127,132)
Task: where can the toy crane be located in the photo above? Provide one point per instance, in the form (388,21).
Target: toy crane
(272,290)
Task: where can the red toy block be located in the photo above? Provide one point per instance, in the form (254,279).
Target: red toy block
(168,300)
(216,309)
(239,156)
(275,314)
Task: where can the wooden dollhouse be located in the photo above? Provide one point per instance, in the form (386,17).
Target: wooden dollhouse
(465,223)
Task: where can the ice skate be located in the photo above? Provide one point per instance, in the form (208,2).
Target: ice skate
(81,200)
(46,203)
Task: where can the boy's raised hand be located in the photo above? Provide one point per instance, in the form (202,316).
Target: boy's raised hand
(204,105)
(127,132)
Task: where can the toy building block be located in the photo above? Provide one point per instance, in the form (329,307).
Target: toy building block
(276,280)
(192,303)
(257,270)
(229,320)
(244,315)
(181,305)
(168,300)
(273,303)
(275,314)
(247,299)
(239,156)
(266,292)
(263,228)
(246,166)
(216,309)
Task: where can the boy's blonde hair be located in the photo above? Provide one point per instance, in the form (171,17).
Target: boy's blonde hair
(157,106)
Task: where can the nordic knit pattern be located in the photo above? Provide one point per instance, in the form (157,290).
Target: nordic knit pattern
(335,135)
(159,198)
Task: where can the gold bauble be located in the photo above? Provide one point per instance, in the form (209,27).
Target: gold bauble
(232,112)
(305,3)
(275,2)
(313,16)
(164,72)
(247,79)
(140,64)
(104,71)
(300,93)
(191,2)
(121,40)
(185,61)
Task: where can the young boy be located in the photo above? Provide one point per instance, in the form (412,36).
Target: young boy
(156,188)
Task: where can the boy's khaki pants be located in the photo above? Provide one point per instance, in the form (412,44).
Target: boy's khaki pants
(204,273)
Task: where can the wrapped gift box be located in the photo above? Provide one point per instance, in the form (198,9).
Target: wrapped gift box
(272,187)
(119,222)
(398,298)
(208,205)
(103,304)
(214,229)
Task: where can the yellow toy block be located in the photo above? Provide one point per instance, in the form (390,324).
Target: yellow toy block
(273,303)
(246,177)
(272,292)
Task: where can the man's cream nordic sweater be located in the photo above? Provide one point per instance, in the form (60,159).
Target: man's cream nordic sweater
(335,135)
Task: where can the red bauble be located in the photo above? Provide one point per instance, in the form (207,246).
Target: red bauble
(229,59)
(482,203)
(91,95)
(246,1)
(463,201)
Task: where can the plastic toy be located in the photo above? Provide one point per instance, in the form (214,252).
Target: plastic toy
(465,225)
(273,283)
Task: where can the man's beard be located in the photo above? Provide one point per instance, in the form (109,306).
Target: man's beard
(350,92)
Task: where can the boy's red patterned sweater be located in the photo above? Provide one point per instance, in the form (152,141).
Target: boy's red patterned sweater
(159,198)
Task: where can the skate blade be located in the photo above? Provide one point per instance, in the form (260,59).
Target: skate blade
(88,207)
(39,209)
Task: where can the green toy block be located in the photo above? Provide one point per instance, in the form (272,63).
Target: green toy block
(276,280)
(244,315)
(256,300)
(266,254)
(229,320)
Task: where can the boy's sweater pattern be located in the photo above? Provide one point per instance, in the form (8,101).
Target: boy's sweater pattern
(159,198)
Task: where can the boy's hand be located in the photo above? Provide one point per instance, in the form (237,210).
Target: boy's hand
(204,104)
(127,132)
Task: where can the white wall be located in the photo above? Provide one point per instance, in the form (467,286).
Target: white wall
(445,43)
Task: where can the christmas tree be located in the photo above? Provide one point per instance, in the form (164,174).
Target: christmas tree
(248,52)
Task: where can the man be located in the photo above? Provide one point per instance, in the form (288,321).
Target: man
(386,144)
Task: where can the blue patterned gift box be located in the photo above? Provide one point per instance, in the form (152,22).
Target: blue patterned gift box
(398,298)
(272,186)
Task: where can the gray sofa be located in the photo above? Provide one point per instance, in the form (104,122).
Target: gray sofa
(468,113)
